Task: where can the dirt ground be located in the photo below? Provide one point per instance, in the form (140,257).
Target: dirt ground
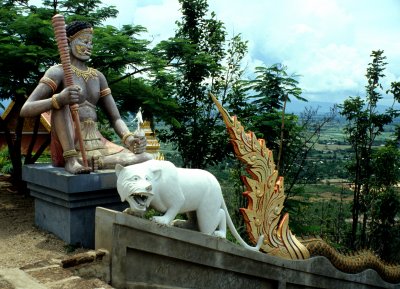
(21,242)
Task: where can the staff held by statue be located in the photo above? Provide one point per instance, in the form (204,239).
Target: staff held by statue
(62,43)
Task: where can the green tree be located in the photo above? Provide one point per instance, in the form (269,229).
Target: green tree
(26,47)
(385,205)
(122,55)
(199,51)
(364,124)
(289,136)
(273,88)
(300,137)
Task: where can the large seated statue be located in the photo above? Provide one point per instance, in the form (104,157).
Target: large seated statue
(90,89)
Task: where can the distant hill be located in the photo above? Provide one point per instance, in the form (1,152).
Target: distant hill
(297,107)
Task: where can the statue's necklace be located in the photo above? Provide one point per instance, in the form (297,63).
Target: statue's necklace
(85,74)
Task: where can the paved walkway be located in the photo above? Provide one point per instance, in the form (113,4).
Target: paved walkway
(82,272)
(17,279)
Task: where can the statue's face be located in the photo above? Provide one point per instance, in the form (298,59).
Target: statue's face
(81,47)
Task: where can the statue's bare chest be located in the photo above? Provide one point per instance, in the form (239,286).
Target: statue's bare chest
(90,89)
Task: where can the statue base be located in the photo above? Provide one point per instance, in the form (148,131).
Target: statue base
(65,204)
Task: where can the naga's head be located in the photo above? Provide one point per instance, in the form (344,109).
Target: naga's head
(134,186)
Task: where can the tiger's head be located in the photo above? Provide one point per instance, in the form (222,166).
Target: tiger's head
(134,186)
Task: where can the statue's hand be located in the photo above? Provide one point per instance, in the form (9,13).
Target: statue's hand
(136,144)
(69,95)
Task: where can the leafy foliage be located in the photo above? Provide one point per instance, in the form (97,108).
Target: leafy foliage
(273,87)
(198,53)
(372,172)
(25,47)
(5,162)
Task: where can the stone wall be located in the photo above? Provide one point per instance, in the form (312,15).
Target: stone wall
(147,255)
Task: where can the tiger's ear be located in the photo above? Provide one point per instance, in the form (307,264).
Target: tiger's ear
(156,173)
(118,169)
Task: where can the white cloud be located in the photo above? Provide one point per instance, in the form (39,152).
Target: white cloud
(158,16)
(327,42)
(160,19)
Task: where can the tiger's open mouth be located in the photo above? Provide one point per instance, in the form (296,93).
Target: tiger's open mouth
(140,199)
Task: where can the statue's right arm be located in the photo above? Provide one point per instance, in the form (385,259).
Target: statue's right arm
(40,99)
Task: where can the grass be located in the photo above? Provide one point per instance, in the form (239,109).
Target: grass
(320,188)
(331,147)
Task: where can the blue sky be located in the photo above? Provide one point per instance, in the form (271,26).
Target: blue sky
(328,42)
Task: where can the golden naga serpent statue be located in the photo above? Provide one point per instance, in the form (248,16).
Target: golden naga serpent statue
(265,195)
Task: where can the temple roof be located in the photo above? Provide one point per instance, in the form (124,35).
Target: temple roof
(12,116)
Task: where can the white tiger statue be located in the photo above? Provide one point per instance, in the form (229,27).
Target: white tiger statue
(171,190)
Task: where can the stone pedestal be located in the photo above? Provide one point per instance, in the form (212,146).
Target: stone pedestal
(65,204)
